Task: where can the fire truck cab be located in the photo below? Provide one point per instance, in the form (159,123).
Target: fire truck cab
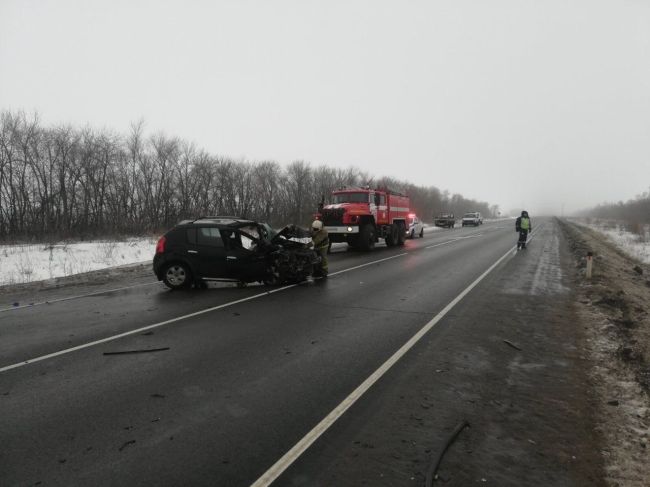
(361,216)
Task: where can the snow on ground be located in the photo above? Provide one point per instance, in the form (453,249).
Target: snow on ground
(633,244)
(37,262)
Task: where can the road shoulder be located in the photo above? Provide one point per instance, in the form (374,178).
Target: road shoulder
(614,308)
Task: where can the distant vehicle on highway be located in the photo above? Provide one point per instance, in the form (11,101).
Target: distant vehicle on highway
(416,227)
(472,218)
(224,248)
(445,220)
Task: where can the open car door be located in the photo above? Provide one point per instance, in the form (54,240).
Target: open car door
(245,257)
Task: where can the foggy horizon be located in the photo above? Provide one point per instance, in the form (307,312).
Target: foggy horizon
(543,107)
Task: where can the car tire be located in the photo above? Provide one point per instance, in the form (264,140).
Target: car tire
(177,275)
(367,237)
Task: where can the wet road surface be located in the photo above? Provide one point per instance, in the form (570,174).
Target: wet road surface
(242,374)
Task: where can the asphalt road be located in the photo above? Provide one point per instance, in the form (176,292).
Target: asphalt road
(248,373)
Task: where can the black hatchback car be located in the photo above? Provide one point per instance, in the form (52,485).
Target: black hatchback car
(232,249)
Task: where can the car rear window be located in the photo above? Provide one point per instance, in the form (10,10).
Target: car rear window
(209,236)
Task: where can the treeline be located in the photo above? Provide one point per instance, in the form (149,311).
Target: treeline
(62,182)
(636,210)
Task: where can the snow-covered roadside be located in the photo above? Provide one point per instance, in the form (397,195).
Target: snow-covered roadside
(634,245)
(36,262)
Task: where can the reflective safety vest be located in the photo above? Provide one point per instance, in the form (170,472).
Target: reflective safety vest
(525,223)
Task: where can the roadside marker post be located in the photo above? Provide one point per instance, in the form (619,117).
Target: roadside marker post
(590,262)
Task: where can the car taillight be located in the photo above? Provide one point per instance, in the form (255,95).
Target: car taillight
(160,246)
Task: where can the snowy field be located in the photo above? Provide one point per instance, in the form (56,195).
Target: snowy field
(636,245)
(37,262)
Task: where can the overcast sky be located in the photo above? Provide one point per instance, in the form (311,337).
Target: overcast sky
(521,103)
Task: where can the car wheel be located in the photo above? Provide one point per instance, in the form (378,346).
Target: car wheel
(177,276)
(367,237)
(413,234)
(422,233)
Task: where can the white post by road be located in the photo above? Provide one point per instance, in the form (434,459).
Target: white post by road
(590,261)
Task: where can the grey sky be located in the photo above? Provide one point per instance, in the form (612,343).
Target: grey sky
(519,103)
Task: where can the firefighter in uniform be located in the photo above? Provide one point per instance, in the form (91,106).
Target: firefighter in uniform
(523,226)
(321,242)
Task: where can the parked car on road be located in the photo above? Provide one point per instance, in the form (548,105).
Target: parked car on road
(416,227)
(232,249)
(473,218)
(445,220)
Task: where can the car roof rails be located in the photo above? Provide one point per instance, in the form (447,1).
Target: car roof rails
(219,217)
(223,220)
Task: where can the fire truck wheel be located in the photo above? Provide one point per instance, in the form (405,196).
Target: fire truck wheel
(391,238)
(401,234)
(367,237)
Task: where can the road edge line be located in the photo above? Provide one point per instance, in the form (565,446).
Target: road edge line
(299,448)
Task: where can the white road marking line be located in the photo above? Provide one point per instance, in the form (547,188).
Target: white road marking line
(197,313)
(369,263)
(451,241)
(179,318)
(299,448)
(139,330)
(67,298)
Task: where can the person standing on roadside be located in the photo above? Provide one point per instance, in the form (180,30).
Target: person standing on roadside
(523,226)
(321,241)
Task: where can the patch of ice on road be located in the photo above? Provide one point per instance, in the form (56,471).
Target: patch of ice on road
(37,262)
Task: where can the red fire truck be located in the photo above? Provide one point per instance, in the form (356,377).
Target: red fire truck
(361,216)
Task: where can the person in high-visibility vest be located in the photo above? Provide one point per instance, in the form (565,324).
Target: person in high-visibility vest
(523,226)
(321,241)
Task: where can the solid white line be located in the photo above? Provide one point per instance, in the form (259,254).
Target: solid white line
(179,318)
(76,297)
(138,330)
(173,320)
(450,241)
(299,448)
(369,263)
